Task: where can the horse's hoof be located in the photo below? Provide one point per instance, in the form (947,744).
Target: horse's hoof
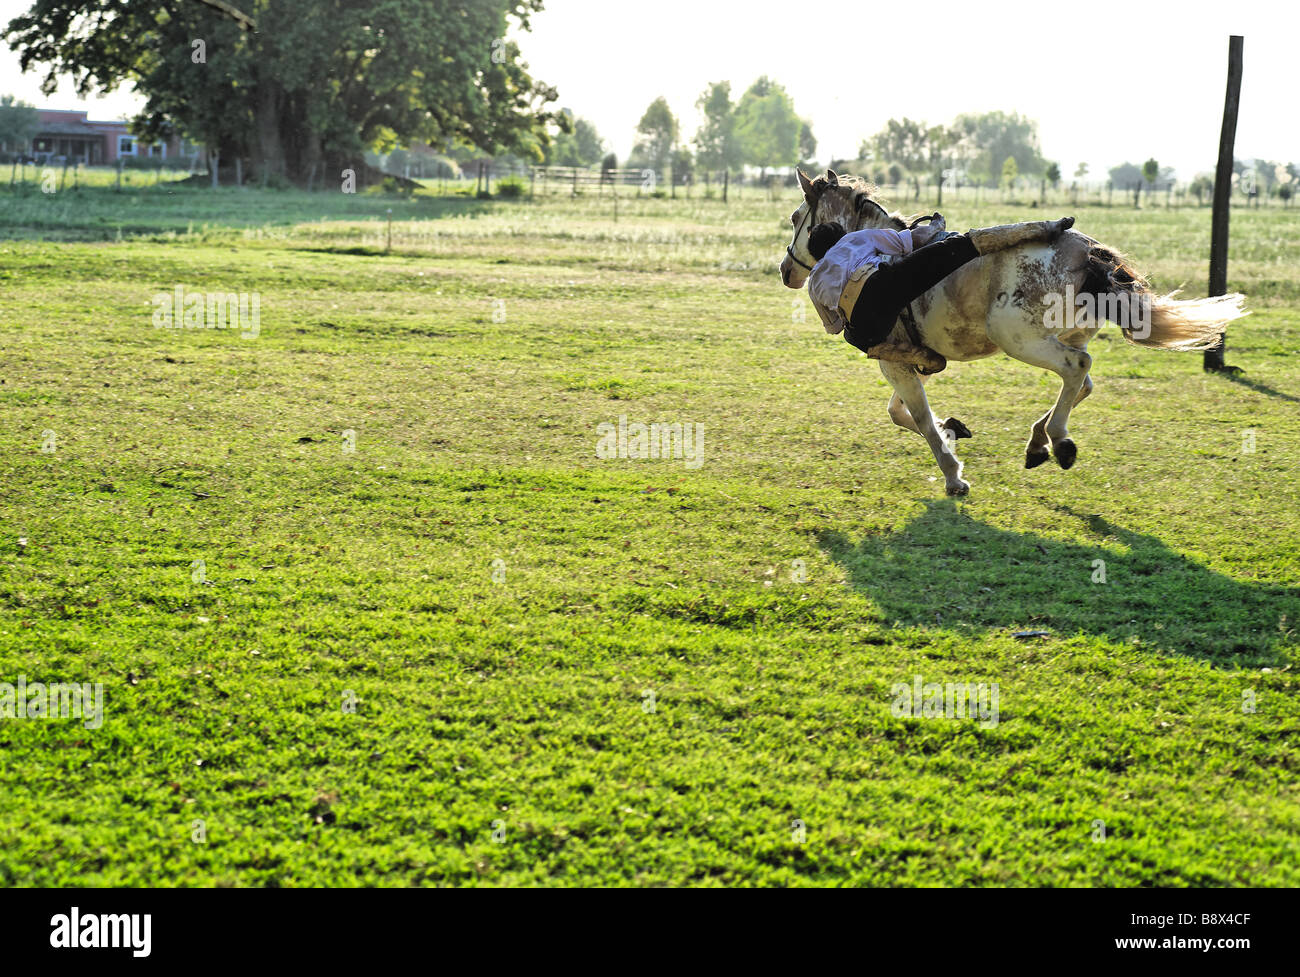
(1035,458)
(958,429)
(1065,452)
(962,487)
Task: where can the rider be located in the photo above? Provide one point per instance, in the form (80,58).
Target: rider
(861,281)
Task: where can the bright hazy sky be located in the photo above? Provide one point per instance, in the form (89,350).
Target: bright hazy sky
(1106,82)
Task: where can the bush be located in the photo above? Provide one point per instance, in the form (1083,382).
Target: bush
(511,188)
(387,187)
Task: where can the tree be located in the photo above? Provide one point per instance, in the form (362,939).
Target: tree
(807,142)
(19,122)
(1201,187)
(1286,182)
(304,92)
(903,143)
(1053,174)
(1081,171)
(919,149)
(581,146)
(1150,173)
(1010,171)
(767,126)
(993,136)
(1126,176)
(943,146)
(716,145)
(683,164)
(657,133)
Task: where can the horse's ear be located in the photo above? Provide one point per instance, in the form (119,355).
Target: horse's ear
(804,183)
(832,179)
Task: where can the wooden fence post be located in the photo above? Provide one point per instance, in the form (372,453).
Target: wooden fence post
(1213,359)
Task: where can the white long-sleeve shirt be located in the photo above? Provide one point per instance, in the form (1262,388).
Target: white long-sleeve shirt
(852,253)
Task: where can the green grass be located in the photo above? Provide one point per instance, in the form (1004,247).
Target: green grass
(769,599)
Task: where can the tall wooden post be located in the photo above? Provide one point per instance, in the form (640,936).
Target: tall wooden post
(1222,194)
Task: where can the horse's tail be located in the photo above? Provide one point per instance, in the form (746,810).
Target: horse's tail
(1124,296)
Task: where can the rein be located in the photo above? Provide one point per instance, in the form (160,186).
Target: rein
(789,248)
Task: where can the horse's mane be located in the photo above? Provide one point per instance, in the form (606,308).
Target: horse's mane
(863,195)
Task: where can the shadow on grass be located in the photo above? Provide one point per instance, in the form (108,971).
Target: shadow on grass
(946,569)
(1262,388)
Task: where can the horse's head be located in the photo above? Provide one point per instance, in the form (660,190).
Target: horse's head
(847,200)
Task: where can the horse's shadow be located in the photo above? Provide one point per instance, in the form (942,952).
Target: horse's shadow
(947,570)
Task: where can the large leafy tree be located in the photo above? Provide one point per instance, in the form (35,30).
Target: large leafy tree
(903,142)
(314,85)
(767,126)
(656,135)
(993,136)
(716,145)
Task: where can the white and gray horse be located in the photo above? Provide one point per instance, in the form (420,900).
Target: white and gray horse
(1040,303)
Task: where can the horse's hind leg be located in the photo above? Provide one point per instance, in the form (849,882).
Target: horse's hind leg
(1036,450)
(910,392)
(1072,366)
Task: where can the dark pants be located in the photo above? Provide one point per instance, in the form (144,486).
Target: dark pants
(892,286)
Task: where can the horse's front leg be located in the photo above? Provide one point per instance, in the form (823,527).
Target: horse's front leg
(909,389)
(900,415)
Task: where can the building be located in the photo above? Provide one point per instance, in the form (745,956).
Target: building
(72,136)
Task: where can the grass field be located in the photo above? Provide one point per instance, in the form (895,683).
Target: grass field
(434,639)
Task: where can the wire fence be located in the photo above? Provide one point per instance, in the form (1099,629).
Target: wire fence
(486,179)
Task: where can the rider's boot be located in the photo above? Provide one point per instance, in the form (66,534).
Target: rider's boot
(926,360)
(989,239)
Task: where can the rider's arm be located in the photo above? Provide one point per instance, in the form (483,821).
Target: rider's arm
(832,319)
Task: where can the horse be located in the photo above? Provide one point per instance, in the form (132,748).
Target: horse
(1039,303)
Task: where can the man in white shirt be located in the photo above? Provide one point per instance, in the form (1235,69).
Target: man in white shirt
(861,281)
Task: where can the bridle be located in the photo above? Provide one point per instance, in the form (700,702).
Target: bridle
(810,219)
(789,248)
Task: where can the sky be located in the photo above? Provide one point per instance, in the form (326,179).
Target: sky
(1106,83)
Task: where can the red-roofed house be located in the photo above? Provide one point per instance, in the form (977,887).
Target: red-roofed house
(72,135)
